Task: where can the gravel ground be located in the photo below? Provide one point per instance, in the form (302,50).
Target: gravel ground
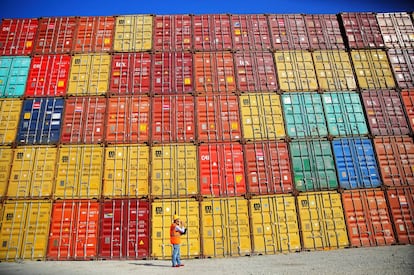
(398,259)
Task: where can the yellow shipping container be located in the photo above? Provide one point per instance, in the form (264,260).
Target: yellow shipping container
(6,158)
(225,227)
(334,70)
(274,224)
(261,116)
(33,172)
(162,218)
(295,71)
(89,74)
(9,119)
(372,69)
(25,229)
(79,172)
(174,170)
(133,33)
(322,220)
(126,171)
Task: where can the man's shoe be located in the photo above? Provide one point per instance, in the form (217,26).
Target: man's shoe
(180,265)
(176,266)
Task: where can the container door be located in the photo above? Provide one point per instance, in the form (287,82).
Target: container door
(111,230)
(137,227)
(85,236)
(214,230)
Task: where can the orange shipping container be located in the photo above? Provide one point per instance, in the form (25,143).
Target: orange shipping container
(211,32)
(408,100)
(172,32)
(94,34)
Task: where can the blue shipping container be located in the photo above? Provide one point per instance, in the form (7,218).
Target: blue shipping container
(356,164)
(13,75)
(40,121)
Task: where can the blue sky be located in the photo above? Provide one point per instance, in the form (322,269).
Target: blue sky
(39,8)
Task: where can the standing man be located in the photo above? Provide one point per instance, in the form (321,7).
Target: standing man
(176,230)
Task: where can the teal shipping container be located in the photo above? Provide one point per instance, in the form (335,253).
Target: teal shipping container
(13,75)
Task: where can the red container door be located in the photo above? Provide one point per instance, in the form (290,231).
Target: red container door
(137,227)
(85,237)
(94,34)
(408,100)
(250,32)
(17,36)
(111,230)
(402,62)
(212,32)
(288,32)
(324,32)
(172,33)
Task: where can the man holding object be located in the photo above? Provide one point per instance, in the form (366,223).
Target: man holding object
(176,230)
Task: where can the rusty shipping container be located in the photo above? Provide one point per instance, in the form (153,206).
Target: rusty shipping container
(408,103)
(17,36)
(288,32)
(250,32)
(6,158)
(324,32)
(173,33)
(402,64)
(133,33)
(397,29)
(9,119)
(94,34)
(212,32)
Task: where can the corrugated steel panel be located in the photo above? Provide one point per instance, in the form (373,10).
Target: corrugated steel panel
(89,74)
(33,172)
(385,113)
(397,29)
(402,64)
(356,163)
(304,115)
(274,224)
(173,119)
(79,172)
(344,114)
(288,32)
(13,75)
(324,32)
(40,121)
(130,73)
(128,119)
(221,169)
(9,119)
(172,73)
(372,69)
(214,72)
(84,120)
(225,227)
(408,101)
(133,33)
(48,75)
(25,229)
(255,71)
(366,215)
(162,217)
(268,168)
(261,116)
(396,160)
(55,35)
(6,158)
(401,207)
(322,222)
(295,71)
(212,32)
(250,32)
(172,32)
(74,230)
(17,36)
(124,229)
(218,118)
(94,34)
(334,70)
(126,171)
(313,165)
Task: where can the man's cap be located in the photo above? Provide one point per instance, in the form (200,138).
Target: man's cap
(176,217)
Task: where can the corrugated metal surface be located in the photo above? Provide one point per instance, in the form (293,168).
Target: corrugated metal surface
(172,32)
(9,119)
(17,36)
(94,34)
(396,160)
(402,64)
(133,33)
(366,215)
(324,32)
(288,32)
(212,32)
(126,171)
(174,170)
(13,75)
(274,224)
(408,101)
(313,165)
(225,227)
(162,217)
(250,32)
(322,222)
(356,163)
(397,29)
(6,158)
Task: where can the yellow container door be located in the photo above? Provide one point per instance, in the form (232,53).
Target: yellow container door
(137,171)
(214,232)
(238,227)
(9,119)
(114,172)
(6,158)
(44,165)
(90,171)
(21,172)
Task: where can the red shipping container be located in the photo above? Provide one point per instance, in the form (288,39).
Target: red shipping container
(401,202)
(48,75)
(173,119)
(402,64)
(408,101)
(214,72)
(367,218)
(250,32)
(55,35)
(288,32)
(212,32)
(17,36)
(94,34)
(128,119)
(397,29)
(255,71)
(84,120)
(268,168)
(172,73)
(124,229)
(324,32)
(172,33)
(74,230)
(218,118)
(396,160)
(221,170)
(130,74)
